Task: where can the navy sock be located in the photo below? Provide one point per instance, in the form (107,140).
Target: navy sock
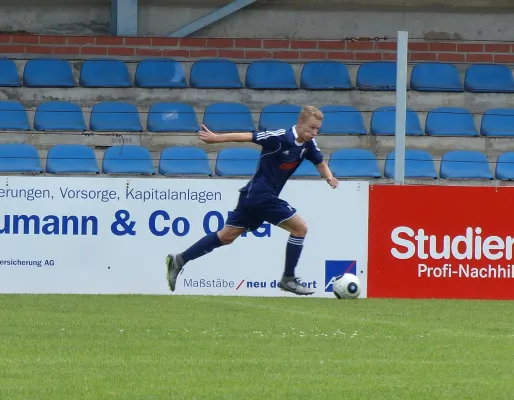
(293,250)
(204,246)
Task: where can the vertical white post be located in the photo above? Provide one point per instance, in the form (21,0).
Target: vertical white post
(401,107)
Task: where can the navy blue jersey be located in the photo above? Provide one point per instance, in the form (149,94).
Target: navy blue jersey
(280,157)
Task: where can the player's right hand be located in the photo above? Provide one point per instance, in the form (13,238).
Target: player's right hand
(207,136)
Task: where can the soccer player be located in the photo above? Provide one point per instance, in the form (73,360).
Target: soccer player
(282,152)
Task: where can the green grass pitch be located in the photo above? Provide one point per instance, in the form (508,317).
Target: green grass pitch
(184,347)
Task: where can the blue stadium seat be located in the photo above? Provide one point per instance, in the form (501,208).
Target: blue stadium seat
(127,159)
(160,74)
(237,161)
(71,158)
(325,75)
(48,72)
(104,73)
(419,164)
(489,78)
(270,74)
(354,163)
(115,116)
(19,157)
(172,117)
(342,120)
(383,122)
(465,164)
(380,76)
(435,77)
(505,166)
(13,116)
(450,121)
(498,122)
(216,73)
(278,116)
(306,169)
(228,117)
(59,116)
(184,161)
(8,73)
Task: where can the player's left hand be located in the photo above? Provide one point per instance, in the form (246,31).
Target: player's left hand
(333,182)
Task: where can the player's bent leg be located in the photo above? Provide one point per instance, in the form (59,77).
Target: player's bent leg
(295,225)
(297,228)
(230,233)
(237,222)
(175,263)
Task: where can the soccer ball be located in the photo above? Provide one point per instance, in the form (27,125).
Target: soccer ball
(347,286)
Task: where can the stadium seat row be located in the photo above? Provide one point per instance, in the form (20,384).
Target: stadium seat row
(227,117)
(345,163)
(260,75)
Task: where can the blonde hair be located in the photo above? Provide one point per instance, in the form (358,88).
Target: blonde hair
(310,111)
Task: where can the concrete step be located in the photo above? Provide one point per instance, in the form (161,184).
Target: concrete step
(366,102)
(327,143)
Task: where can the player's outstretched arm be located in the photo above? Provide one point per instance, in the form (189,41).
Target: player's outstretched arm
(326,174)
(210,137)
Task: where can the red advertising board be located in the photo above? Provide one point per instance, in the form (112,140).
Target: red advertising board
(441,242)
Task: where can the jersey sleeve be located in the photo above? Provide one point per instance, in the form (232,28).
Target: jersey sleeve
(269,139)
(313,153)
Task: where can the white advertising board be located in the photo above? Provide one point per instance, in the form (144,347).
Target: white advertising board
(106,235)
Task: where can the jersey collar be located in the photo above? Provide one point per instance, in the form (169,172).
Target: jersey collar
(296,136)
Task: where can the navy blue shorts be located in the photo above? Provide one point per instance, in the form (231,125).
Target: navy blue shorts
(251,212)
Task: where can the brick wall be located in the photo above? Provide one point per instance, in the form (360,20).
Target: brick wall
(251,49)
